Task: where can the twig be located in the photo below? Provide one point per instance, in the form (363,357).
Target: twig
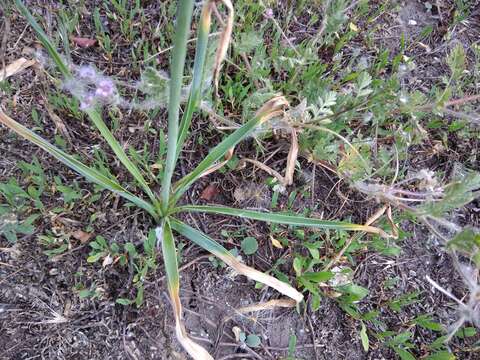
(370,221)
(3,46)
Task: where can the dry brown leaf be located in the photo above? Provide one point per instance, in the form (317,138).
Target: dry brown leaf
(213,168)
(83,42)
(210,192)
(82,236)
(15,67)
(276,243)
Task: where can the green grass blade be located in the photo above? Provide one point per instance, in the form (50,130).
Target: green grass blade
(182,29)
(198,70)
(97,120)
(89,173)
(47,44)
(272,108)
(169,252)
(278,218)
(223,254)
(93,114)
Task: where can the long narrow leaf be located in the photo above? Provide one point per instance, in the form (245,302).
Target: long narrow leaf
(198,69)
(97,120)
(89,173)
(183,20)
(272,108)
(285,219)
(93,114)
(52,51)
(223,254)
(169,252)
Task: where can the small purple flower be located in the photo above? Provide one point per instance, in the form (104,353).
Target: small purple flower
(105,89)
(87,72)
(268,13)
(87,101)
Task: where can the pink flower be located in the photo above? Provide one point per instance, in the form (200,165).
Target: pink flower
(87,72)
(105,89)
(87,102)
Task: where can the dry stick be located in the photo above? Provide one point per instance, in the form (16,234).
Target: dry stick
(171,47)
(312,332)
(282,32)
(370,221)
(249,69)
(323,25)
(3,46)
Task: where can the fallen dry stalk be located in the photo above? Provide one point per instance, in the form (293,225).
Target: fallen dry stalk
(15,67)
(224,41)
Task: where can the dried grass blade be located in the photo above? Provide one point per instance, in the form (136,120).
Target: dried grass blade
(15,67)
(224,41)
(292,158)
(165,237)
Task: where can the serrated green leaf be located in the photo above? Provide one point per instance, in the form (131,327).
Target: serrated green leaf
(456,60)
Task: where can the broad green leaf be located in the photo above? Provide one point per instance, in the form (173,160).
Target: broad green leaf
(154,83)
(466,332)
(364,338)
(253,341)
(248,41)
(89,173)
(441,355)
(279,218)
(95,257)
(249,245)
(123,301)
(404,354)
(320,276)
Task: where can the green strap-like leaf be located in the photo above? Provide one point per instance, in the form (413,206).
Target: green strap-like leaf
(89,173)
(169,252)
(214,155)
(97,120)
(198,69)
(277,218)
(182,29)
(223,254)
(93,114)
(52,51)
